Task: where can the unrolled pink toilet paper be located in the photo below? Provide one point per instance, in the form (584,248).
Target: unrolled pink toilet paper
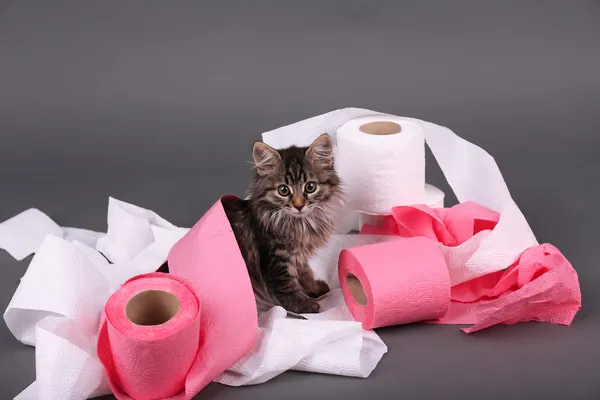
(209,257)
(396,282)
(448,226)
(541,285)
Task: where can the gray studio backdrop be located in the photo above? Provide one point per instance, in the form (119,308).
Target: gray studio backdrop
(157,103)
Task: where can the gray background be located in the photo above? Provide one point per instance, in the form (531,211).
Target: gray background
(158,103)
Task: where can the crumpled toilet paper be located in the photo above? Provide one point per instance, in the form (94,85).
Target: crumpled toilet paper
(58,304)
(459,230)
(22,234)
(540,286)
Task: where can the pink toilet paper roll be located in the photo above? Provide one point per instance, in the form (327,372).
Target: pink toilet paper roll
(396,282)
(149,337)
(207,263)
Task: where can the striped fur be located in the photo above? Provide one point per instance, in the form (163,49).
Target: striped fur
(275,237)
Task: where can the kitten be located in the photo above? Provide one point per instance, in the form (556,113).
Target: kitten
(295,197)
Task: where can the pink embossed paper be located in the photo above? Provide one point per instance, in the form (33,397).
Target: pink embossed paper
(208,256)
(212,330)
(382,288)
(150,361)
(541,285)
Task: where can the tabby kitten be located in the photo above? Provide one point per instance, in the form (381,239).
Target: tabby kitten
(294,199)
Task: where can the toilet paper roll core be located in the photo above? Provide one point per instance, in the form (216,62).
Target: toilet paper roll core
(380,128)
(356,289)
(152,307)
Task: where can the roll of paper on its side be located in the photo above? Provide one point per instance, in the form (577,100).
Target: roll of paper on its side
(394,283)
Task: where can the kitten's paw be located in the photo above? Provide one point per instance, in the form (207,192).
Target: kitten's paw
(305,306)
(300,303)
(318,289)
(309,306)
(323,288)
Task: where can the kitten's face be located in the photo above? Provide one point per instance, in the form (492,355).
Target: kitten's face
(297,182)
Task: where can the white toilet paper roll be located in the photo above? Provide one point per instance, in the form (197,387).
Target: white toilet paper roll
(381,162)
(433,197)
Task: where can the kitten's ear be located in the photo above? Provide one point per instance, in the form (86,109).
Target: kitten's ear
(320,152)
(266,158)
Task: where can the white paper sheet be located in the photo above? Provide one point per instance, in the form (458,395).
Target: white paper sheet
(22,234)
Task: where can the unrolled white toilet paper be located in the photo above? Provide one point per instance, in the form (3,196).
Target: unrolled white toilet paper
(57,305)
(22,234)
(470,171)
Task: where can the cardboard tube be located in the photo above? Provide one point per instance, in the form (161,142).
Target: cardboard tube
(381,128)
(356,289)
(152,307)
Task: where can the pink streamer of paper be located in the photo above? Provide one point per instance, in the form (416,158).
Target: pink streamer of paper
(541,285)
(208,256)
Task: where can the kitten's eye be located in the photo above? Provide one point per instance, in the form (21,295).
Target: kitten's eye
(283,190)
(310,187)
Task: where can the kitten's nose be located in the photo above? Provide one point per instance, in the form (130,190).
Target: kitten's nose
(298,202)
